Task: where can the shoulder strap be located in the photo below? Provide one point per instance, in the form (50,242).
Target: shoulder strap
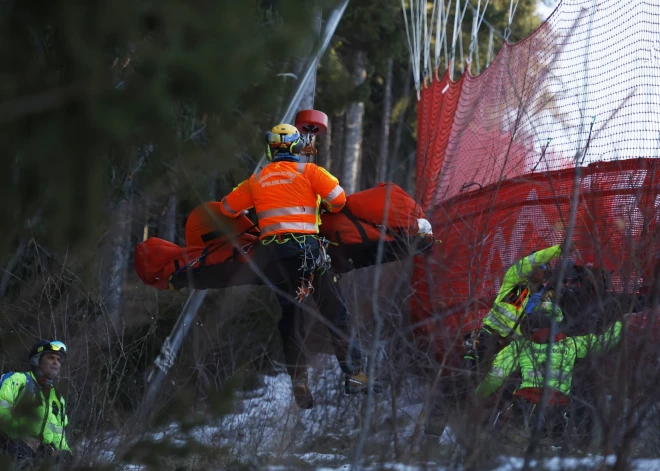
(30,385)
(4,376)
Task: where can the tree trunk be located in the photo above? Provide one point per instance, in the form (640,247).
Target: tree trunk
(353,129)
(337,145)
(213,187)
(324,157)
(409,181)
(383,154)
(410,175)
(120,239)
(167,229)
(7,274)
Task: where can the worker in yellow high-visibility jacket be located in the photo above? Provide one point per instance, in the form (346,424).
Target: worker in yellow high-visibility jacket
(502,323)
(32,413)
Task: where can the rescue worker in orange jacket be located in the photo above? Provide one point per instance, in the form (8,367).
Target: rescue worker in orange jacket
(287,195)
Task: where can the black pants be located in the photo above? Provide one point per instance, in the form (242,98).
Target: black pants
(17,455)
(281,263)
(481,352)
(526,414)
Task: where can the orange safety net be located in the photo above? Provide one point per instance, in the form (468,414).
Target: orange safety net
(500,156)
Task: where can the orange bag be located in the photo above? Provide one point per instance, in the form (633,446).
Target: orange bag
(206,224)
(160,263)
(368,217)
(400,212)
(385,213)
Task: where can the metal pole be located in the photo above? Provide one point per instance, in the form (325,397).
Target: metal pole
(310,68)
(171,347)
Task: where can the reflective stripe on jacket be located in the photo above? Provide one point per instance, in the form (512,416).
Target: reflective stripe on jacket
(31,423)
(503,316)
(530,358)
(286,196)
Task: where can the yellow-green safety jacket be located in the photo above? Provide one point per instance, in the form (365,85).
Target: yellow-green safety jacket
(512,297)
(35,417)
(530,358)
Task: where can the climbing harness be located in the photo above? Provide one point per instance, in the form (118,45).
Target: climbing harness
(310,263)
(306,288)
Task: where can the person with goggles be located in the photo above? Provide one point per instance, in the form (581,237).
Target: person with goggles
(32,413)
(287,195)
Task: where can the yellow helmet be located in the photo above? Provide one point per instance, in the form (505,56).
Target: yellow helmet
(284,141)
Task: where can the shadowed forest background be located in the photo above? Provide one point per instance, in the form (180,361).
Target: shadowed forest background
(117,118)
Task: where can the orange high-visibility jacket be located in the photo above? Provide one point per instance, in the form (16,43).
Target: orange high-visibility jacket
(286,196)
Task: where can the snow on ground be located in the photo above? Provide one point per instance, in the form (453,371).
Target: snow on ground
(266,429)
(269,420)
(507,464)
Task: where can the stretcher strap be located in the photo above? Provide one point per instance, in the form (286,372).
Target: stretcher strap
(206,252)
(398,234)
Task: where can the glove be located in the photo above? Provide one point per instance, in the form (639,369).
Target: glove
(64,458)
(32,442)
(424,228)
(571,248)
(47,451)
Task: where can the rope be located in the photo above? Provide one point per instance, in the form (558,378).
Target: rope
(413,44)
(435,15)
(460,45)
(456,34)
(441,32)
(420,32)
(206,253)
(473,35)
(427,39)
(418,39)
(476,25)
(453,40)
(491,48)
(512,13)
(445,41)
(427,42)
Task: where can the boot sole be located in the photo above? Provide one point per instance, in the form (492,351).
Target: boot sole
(349,390)
(304,400)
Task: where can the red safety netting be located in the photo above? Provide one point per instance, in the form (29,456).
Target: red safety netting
(497,155)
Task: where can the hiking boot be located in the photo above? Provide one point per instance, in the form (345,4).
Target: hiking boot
(302,394)
(359,383)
